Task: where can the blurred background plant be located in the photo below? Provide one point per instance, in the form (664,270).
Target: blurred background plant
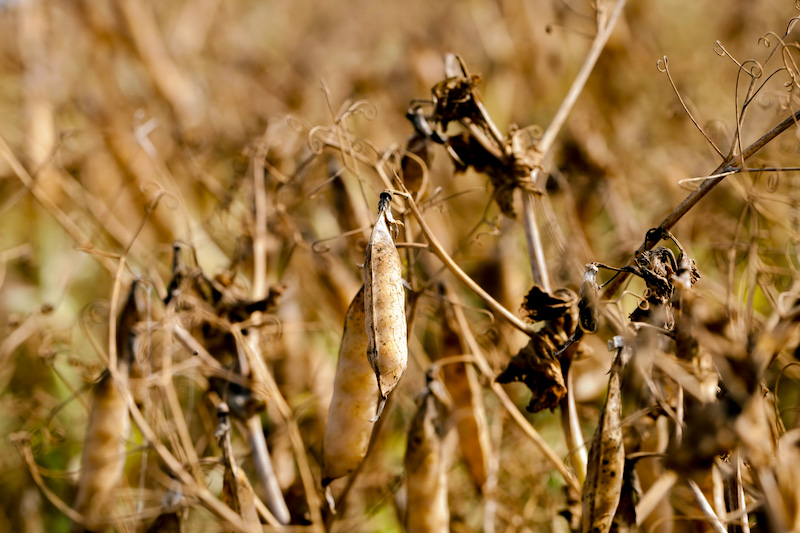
(128,126)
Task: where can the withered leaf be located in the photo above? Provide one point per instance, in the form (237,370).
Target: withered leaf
(535,366)
(541,305)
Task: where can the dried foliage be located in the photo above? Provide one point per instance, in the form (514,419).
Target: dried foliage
(188,212)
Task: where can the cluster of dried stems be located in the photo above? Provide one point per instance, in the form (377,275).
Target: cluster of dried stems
(212,411)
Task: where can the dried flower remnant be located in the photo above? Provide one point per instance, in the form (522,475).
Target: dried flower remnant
(508,160)
(384,304)
(536,366)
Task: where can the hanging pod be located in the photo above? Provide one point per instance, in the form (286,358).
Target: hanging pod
(426,462)
(355,400)
(384,304)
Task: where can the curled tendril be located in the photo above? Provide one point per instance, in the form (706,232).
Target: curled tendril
(320,245)
(663,66)
(95,313)
(315,191)
(359,107)
(318,138)
(792,21)
(425,172)
(274,322)
(296,124)
(773,181)
(157,194)
(365,148)
(359,146)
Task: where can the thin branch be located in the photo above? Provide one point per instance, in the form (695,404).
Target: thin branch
(568,103)
(437,248)
(535,252)
(708,511)
(508,404)
(665,70)
(698,194)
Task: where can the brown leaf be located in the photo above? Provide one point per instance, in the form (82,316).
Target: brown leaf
(540,305)
(535,366)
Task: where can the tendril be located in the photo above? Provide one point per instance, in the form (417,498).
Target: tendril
(663,66)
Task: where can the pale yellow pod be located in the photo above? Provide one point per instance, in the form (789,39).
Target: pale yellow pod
(468,411)
(603,485)
(384,304)
(426,464)
(355,399)
(103,457)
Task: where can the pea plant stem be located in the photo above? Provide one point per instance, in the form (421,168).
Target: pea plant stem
(726,168)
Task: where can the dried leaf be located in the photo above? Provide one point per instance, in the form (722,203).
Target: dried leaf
(355,399)
(384,304)
(606,464)
(540,305)
(535,366)
(426,463)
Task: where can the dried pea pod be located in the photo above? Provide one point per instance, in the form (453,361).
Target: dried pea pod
(426,463)
(237,492)
(103,457)
(468,410)
(355,400)
(606,464)
(384,304)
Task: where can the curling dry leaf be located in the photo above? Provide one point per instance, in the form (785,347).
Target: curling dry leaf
(604,476)
(355,399)
(535,366)
(541,305)
(384,304)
